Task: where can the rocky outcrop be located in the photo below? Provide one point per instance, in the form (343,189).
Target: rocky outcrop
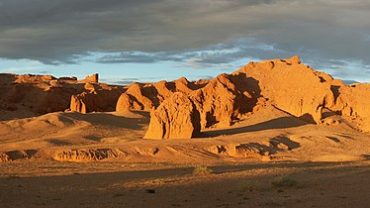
(93,78)
(353,102)
(220,101)
(293,87)
(125,103)
(31,95)
(286,84)
(223,100)
(34,94)
(176,118)
(85,155)
(140,96)
(98,98)
(80,102)
(17,155)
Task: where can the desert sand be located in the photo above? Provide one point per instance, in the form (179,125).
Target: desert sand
(275,133)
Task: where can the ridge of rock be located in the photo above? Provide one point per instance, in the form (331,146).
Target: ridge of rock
(287,84)
(29,95)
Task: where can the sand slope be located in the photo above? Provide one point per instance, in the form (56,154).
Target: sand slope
(268,134)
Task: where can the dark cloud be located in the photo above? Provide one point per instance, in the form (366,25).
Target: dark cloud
(329,33)
(212,55)
(139,57)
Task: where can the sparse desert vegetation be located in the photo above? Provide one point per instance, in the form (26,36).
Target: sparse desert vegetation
(202,170)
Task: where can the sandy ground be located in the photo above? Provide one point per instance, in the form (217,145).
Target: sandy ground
(267,135)
(268,159)
(104,184)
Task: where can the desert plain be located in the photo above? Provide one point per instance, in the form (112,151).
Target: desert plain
(274,133)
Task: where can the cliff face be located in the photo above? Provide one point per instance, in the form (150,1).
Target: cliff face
(95,97)
(293,87)
(22,95)
(176,118)
(286,84)
(304,92)
(353,102)
(31,95)
(148,96)
(220,101)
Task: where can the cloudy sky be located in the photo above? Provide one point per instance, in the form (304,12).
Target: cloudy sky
(145,40)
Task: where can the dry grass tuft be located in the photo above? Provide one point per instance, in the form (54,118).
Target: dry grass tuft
(202,170)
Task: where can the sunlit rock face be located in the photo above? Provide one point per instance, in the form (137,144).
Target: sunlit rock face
(287,84)
(95,98)
(293,87)
(176,118)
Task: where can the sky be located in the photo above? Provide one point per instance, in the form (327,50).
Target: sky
(149,40)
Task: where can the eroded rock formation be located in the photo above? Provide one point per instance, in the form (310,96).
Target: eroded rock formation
(293,87)
(31,95)
(140,96)
(354,102)
(287,84)
(223,100)
(220,101)
(176,118)
(95,98)
(93,78)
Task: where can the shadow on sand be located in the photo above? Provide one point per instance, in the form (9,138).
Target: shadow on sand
(278,123)
(106,119)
